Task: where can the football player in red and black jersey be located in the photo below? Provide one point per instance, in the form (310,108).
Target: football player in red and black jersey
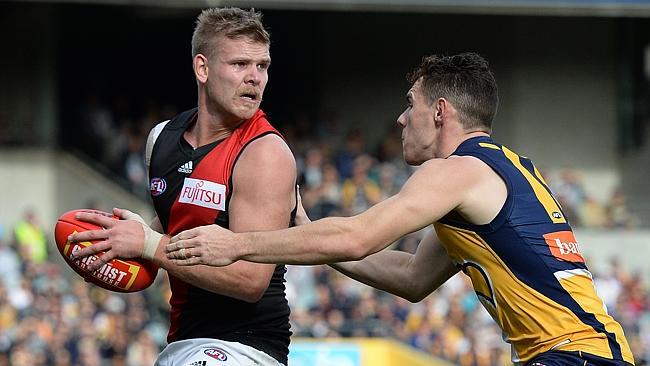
(220,163)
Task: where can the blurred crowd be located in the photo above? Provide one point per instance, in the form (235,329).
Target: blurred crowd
(50,316)
(114,134)
(583,210)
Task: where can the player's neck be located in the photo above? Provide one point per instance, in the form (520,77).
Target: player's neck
(451,142)
(208,128)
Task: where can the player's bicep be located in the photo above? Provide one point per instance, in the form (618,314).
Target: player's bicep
(430,193)
(263,186)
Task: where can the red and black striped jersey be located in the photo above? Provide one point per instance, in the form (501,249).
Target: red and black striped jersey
(192,187)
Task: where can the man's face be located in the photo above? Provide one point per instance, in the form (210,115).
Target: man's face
(418,127)
(237,76)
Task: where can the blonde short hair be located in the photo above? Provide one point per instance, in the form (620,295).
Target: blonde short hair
(229,22)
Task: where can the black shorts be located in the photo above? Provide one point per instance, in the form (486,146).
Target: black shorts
(561,358)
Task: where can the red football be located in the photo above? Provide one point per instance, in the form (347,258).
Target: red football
(117,275)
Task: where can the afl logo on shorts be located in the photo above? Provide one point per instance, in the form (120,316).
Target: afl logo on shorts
(216,353)
(157,186)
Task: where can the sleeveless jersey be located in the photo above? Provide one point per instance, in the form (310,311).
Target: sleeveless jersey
(526,266)
(192,187)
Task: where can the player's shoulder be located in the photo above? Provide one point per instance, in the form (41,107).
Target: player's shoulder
(269,160)
(467,162)
(271,150)
(155,133)
(269,142)
(157,129)
(459,164)
(151,141)
(459,171)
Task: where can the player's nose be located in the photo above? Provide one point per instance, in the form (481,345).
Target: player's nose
(254,76)
(401,120)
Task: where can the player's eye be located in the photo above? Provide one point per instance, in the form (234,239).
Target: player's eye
(239,64)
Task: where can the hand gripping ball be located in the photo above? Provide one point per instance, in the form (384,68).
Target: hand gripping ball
(117,275)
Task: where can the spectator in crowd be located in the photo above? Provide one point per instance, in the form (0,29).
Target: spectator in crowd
(312,171)
(134,167)
(10,265)
(325,199)
(31,238)
(583,210)
(345,158)
(388,184)
(593,214)
(620,215)
(97,124)
(359,192)
(328,127)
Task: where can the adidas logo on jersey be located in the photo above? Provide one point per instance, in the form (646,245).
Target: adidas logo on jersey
(186,168)
(199,363)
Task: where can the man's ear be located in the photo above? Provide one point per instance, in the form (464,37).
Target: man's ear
(200,65)
(439,110)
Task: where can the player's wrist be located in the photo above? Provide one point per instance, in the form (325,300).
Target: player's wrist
(245,249)
(151,237)
(152,240)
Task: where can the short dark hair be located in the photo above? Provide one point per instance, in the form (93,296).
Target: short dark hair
(229,22)
(466,81)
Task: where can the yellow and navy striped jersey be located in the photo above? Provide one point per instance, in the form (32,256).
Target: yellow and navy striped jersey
(526,266)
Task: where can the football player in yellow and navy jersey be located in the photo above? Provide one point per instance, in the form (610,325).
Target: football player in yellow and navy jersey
(495,220)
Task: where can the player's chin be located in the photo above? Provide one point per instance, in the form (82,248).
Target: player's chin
(247,111)
(407,157)
(412,160)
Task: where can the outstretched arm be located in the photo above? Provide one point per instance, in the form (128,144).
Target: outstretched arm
(431,192)
(410,276)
